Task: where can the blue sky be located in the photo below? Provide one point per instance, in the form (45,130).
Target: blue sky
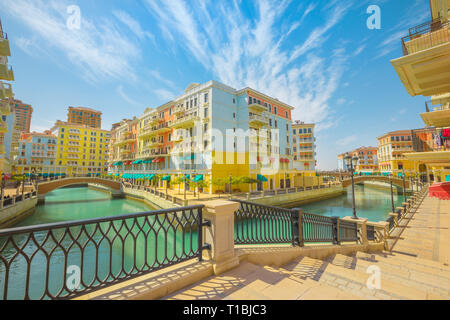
(318,56)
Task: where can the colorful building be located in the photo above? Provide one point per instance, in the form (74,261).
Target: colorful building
(23,113)
(81,150)
(304,147)
(211,131)
(7,118)
(37,154)
(392,148)
(423,70)
(84,116)
(367,160)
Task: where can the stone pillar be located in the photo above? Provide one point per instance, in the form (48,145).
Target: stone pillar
(220,235)
(362,227)
(395,215)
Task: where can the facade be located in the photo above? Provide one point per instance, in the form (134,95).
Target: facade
(37,154)
(423,70)
(211,131)
(84,116)
(392,148)
(81,150)
(6,109)
(23,113)
(367,160)
(304,147)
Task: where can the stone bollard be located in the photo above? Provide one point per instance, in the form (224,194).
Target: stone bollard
(362,227)
(220,235)
(402,212)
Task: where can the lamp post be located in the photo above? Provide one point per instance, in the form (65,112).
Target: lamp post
(351,163)
(2,186)
(404,185)
(392,193)
(231,192)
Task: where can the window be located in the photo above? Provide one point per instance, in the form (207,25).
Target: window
(275,110)
(276,124)
(287,115)
(234,115)
(206,113)
(206,97)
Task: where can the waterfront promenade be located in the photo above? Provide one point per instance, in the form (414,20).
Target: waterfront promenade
(416,266)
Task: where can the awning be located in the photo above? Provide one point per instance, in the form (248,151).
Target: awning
(187,177)
(166,178)
(149,176)
(191,157)
(149,160)
(118,163)
(117,175)
(198,178)
(261,178)
(158,160)
(137,162)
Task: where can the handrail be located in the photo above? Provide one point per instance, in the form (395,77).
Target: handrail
(104,250)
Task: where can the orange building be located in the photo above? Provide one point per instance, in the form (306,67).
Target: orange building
(23,113)
(84,116)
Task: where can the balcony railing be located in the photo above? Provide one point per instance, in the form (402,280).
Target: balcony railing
(425,36)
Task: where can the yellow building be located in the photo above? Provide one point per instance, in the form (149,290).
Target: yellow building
(392,148)
(81,150)
(424,70)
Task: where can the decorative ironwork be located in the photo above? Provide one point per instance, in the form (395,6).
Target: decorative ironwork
(105,251)
(317,228)
(260,224)
(391,221)
(348,231)
(371,233)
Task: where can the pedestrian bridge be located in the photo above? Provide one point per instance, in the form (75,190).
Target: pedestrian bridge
(49,186)
(360,179)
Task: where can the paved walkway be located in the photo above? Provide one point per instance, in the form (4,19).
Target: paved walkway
(415,268)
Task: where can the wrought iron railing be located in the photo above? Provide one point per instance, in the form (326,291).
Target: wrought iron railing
(370,232)
(317,228)
(68,259)
(426,35)
(259,224)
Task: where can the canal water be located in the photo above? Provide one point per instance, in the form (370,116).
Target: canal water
(370,203)
(82,203)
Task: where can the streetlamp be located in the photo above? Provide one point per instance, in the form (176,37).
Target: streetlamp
(404,185)
(351,163)
(2,186)
(231,192)
(392,192)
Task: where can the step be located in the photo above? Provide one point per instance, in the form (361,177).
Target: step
(411,262)
(352,281)
(390,272)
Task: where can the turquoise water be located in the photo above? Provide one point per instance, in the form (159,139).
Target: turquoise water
(372,204)
(102,259)
(102,251)
(81,203)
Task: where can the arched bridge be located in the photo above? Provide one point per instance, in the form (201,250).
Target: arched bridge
(46,187)
(359,179)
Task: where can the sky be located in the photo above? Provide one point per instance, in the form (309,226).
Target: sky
(127,55)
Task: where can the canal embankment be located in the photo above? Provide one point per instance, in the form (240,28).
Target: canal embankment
(17,208)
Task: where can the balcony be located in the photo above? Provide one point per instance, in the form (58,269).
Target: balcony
(257,120)
(6,91)
(162,129)
(5,50)
(5,108)
(185,122)
(6,72)
(179,111)
(2,147)
(436,115)
(256,107)
(3,127)
(147,133)
(177,139)
(423,69)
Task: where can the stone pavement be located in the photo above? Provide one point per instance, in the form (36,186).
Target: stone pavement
(416,267)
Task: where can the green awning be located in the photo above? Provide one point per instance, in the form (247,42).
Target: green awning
(187,177)
(148,160)
(261,178)
(198,178)
(117,175)
(166,178)
(137,162)
(150,176)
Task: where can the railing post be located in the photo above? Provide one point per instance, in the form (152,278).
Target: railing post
(297,236)
(335,229)
(220,235)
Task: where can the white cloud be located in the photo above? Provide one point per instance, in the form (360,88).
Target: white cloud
(347,140)
(98,48)
(133,25)
(248,51)
(125,97)
(164,94)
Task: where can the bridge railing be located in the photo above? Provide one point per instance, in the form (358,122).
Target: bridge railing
(67,259)
(260,224)
(10,201)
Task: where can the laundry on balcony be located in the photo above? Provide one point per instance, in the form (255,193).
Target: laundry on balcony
(445,134)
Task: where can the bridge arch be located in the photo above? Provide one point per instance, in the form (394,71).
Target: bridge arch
(359,179)
(46,187)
